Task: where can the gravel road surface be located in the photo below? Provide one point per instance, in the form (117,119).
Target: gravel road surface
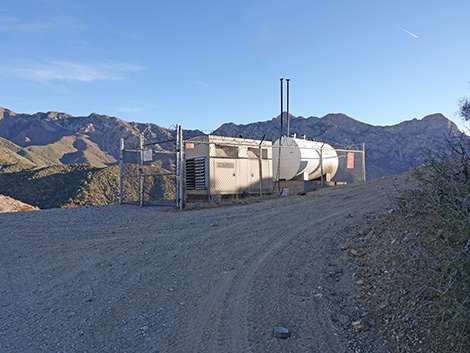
(130,279)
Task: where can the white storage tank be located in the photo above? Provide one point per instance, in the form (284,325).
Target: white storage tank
(295,158)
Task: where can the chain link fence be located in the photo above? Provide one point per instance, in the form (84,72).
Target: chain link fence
(351,164)
(149,173)
(219,166)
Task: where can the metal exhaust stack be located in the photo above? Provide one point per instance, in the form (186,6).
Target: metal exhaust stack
(282,119)
(287,80)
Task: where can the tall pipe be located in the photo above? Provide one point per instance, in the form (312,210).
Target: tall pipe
(287,79)
(282,119)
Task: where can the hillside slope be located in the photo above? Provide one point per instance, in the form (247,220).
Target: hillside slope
(14,158)
(80,184)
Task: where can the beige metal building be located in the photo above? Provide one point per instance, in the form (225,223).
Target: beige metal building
(218,165)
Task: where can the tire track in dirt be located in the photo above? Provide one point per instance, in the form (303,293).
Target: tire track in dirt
(225,312)
(221,320)
(235,310)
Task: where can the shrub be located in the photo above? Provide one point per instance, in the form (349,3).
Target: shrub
(443,199)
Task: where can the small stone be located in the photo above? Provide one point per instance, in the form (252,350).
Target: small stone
(281,332)
(382,305)
(360,282)
(359,325)
(354,252)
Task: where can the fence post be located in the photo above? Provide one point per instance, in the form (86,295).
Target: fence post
(260,169)
(181,168)
(321,166)
(141,169)
(260,158)
(364,162)
(178,176)
(278,172)
(121,166)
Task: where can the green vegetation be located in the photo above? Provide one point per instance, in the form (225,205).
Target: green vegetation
(46,187)
(81,184)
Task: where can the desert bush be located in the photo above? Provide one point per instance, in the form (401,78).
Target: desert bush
(443,201)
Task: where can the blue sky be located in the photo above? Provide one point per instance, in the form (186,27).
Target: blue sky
(203,63)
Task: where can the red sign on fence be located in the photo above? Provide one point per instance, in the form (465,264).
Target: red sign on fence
(350,164)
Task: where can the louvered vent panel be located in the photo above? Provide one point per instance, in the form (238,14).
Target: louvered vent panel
(196,174)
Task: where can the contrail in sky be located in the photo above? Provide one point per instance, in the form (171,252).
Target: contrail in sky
(411,34)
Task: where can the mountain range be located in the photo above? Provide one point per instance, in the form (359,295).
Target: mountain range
(29,142)
(53,138)
(389,149)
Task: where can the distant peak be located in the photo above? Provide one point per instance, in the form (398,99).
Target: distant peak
(435,117)
(341,119)
(5,112)
(284,115)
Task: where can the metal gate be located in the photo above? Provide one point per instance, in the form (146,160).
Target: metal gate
(150,174)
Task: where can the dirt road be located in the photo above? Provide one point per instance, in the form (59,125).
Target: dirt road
(126,279)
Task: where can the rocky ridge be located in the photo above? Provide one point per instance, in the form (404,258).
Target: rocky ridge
(389,149)
(59,138)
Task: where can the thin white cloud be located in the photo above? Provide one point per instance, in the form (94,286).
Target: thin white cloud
(14,25)
(129,109)
(65,24)
(119,66)
(200,83)
(69,71)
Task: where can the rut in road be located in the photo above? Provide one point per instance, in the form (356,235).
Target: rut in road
(219,322)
